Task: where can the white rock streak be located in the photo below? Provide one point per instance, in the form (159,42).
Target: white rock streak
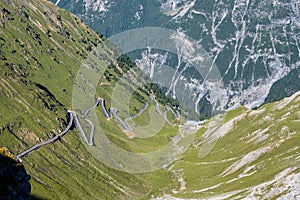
(57,2)
(97,5)
(283,183)
(249,158)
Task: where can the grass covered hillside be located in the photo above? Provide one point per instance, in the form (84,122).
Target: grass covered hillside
(256,156)
(42,47)
(41,50)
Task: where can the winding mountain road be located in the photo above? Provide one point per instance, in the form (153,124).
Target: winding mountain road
(113,112)
(108,115)
(176,115)
(139,112)
(91,136)
(37,146)
(93,107)
(80,129)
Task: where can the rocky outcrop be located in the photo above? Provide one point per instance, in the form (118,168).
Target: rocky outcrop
(14,181)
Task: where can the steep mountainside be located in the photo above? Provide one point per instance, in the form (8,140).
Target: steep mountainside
(254,44)
(256,156)
(41,50)
(254,153)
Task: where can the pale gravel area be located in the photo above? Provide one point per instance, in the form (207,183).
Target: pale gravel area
(215,132)
(284,182)
(218,197)
(216,162)
(287,101)
(259,135)
(249,158)
(256,112)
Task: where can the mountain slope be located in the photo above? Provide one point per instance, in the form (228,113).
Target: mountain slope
(42,47)
(256,156)
(254,44)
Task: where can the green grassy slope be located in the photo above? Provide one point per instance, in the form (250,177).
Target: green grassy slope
(41,49)
(257,156)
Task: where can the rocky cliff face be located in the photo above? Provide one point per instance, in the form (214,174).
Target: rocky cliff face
(254,44)
(14,181)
